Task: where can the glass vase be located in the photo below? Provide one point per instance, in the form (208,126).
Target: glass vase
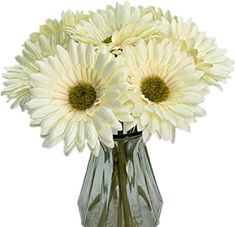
(119,188)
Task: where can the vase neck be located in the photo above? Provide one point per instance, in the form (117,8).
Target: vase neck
(125,143)
(128,136)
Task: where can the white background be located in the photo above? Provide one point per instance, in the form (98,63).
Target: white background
(196,175)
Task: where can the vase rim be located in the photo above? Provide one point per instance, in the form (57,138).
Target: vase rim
(122,136)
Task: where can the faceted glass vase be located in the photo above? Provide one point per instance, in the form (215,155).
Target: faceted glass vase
(119,188)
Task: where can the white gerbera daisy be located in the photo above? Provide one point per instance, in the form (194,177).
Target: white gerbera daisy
(165,89)
(40,45)
(56,28)
(207,57)
(115,27)
(17,77)
(75,97)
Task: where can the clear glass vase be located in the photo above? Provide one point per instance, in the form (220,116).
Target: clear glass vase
(119,188)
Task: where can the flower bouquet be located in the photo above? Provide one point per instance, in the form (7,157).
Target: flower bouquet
(108,80)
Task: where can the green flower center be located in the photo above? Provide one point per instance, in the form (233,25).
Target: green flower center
(82,97)
(155,89)
(107,40)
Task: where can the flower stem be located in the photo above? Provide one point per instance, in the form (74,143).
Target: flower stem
(122,177)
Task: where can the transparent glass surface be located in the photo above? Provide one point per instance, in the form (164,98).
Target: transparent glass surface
(119,188)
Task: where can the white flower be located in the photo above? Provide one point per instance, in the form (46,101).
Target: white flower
(40,45)
(165,89)
(207,57)
(115,27)
(75,97)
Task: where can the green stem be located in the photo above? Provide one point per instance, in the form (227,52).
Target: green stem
(122,176)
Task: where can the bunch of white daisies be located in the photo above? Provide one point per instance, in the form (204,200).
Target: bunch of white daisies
(86,77)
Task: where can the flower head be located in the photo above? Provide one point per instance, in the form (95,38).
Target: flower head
(207,57)
(165,89)
(116,27)
(17,77)
(40,45)
(75,97)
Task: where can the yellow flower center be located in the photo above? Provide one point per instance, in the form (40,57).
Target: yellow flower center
(155,89)
(107,40)
(82,97)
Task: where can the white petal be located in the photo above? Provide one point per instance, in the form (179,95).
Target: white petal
(104,132)
(64,57)
(43,111)
(108,116)
(56,134)
(96,150)
(91,134)
(71,133)
(89,56)
(146,135)
(81,135)
(37,102)
(167,131)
